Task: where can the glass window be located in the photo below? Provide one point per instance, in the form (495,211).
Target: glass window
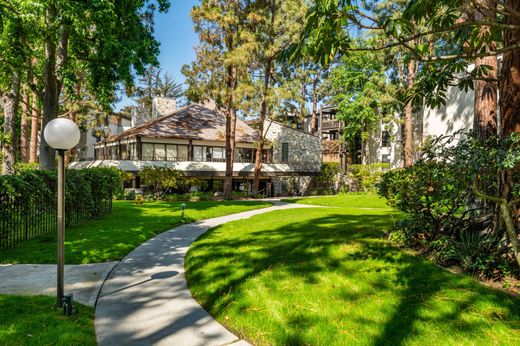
(147,151)
(159,152)
(219,154)
(197,154)
(182,152)
(171,152)
(285,152)
(267,155)
(385,158)
(132,152)
(209,154)
(124,151)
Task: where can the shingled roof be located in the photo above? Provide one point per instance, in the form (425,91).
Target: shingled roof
(194,122)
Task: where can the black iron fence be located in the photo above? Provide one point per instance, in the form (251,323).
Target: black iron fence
(28,201)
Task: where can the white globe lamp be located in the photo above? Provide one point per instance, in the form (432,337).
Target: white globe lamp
(61,134)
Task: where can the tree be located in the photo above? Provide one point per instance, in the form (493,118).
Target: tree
(107,39)
(327,34)
(221,63)
(153,84)
(276,25)
(12,38)
(364,95)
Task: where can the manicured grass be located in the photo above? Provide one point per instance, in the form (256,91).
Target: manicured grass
(344,200)
(326,276)
(34,320)
(115,235)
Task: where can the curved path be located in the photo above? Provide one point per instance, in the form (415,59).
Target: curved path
(146,301)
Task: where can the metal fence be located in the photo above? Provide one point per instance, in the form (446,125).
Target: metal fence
(24,218)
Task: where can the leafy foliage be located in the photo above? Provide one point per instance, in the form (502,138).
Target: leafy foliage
(444,196)
(164,180)
(88,194)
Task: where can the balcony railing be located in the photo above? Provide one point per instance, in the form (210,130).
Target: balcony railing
(330,124)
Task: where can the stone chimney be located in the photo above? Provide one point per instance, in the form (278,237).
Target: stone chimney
(162,106)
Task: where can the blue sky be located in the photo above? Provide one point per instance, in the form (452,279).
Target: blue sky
(174,30)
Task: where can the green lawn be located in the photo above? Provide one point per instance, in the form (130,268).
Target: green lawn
(115,235)
(326,276)
(36,321)
(352,200)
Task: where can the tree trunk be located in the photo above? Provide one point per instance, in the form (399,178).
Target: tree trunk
(314,126)
(9,103)
(261,120)
(510,80)
(302,104)
(24,129)
(408,135)
(231,122)
(35,120)
(509,88)
(485,104)
(55,56)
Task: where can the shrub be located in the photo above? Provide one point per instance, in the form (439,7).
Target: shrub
(366,177)
(451,198)
(28,200)
(328,178)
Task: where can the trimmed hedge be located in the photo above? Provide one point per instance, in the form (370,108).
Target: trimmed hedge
(28,200)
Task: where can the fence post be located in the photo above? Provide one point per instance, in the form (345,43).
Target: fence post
(26,213)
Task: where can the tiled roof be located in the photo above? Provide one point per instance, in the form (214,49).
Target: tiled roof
(194,122)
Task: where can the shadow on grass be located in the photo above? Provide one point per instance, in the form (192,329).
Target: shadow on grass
(36,321)
(425,295)
(114,236)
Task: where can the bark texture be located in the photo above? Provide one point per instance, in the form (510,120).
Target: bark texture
(261,121)
(408,127)
(35,121)
(24,128)
(9,103)
(231,124)
(485,104)
(510,102)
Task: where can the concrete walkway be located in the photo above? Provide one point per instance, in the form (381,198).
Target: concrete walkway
(146,301)
(84,281)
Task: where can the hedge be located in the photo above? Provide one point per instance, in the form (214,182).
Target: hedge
(28,200)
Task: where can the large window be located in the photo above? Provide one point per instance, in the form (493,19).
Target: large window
(244,155)
(164,152)
(285,152)
(147,149)
(208,154)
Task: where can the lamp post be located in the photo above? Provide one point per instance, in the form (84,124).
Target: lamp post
(61,134)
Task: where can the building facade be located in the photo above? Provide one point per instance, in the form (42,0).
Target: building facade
(192,140)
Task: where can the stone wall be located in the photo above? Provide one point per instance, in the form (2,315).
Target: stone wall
(305,152)
(292,186)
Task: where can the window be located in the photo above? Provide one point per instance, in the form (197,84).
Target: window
(171,152)
(285,152)
(385,158)
(244,155)
(147,151)
(385,139)
(219,154)
(267,156)
(159,152)
(182,153)
(197,154)
(132,153)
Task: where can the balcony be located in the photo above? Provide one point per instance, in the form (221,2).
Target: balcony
(331,125)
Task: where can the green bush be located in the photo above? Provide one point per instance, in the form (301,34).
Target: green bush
(28,200)
(366,177)
(446,214)
(164,181)
(327,178)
